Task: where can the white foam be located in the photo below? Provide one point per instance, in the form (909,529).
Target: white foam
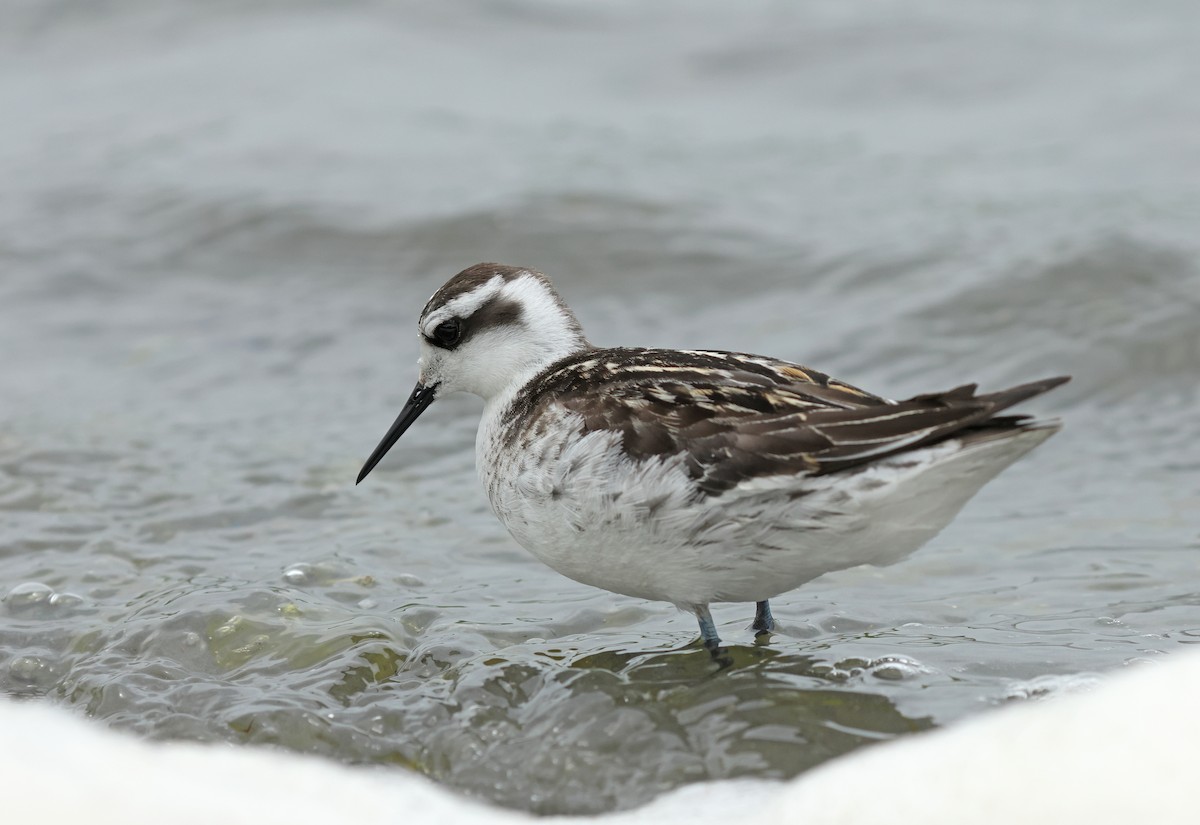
(1124,753)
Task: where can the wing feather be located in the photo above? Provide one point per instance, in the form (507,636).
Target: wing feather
(737,417)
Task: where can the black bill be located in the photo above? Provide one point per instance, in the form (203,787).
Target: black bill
(421,398)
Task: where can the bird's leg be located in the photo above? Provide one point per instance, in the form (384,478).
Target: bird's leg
(764,622)
(708,630)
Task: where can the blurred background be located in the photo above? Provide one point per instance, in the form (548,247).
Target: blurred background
(219,221)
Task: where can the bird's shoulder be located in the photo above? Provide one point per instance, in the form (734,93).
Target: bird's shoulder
(663,383)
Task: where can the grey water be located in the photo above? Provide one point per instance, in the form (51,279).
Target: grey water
(219,220)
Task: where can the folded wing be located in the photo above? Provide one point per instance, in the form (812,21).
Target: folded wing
(735,418)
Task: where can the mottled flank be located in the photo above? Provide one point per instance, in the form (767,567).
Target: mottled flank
(736,417)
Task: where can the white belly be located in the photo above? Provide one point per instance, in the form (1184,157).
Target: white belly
(641,529)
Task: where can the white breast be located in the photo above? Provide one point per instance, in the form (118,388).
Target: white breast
(582,507)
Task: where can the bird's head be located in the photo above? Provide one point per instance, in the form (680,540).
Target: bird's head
(487,331)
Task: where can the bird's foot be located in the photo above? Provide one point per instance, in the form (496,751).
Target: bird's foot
(719,653)
(764,622)
(712,642)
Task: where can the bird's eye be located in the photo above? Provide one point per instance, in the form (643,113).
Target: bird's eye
(448,332)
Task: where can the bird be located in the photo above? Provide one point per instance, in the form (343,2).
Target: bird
(694,476)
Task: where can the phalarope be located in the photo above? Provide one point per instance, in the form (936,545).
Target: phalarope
(689,476)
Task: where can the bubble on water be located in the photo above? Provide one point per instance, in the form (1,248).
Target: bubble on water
(24,668)
(896,669)
(35,671)
(408,580)
(1053,684)
(888,668)
(325,572)
(299,574)
(854,663)
(824,670)
(65,601)
(28,595)
(367,604)
(191,639)
(799,630)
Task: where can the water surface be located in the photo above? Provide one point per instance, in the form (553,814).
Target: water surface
(220,220)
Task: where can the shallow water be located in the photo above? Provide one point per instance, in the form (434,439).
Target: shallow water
(218,224)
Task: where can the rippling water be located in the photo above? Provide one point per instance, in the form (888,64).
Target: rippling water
(219,221)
